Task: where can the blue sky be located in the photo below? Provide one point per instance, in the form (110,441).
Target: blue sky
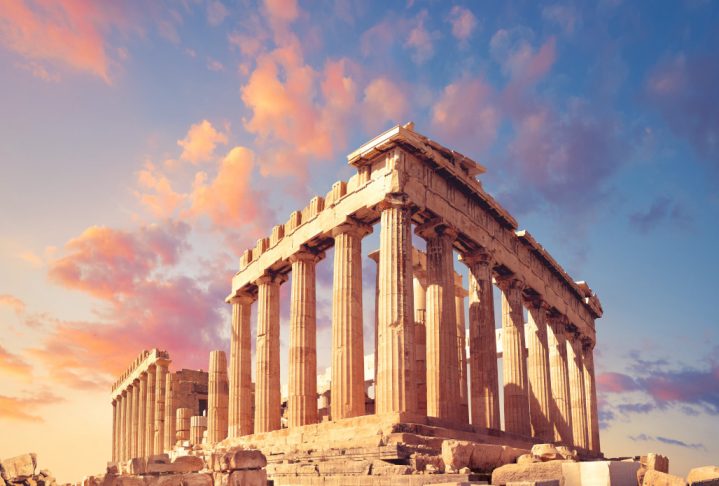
(143,148)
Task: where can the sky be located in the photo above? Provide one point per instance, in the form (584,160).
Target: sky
(144,146)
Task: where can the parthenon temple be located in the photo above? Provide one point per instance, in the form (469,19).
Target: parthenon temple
(441,369)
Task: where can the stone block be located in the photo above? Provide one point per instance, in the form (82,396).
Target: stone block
(420,462)
(349,467)
(383,468)
(539,471)
(456,454)
(599,473)
(248,477)
(159,459)
(238,458)
(123,480)
(567,453)
(20,466)
(527,459)
(136,466)
(187,464)
(657,478)
(486,457)
(704,476)
(188,479)
(549,482)
(112,468)
(546,452)
(657,462)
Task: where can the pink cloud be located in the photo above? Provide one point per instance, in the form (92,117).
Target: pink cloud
(24,408)
(611,382)
(200,142)
(385,102)
(104,262)
(70,32)
(463,22)
(156,192)
(519,60)
(465,114)
(12,302)
(216,12)
(420,40)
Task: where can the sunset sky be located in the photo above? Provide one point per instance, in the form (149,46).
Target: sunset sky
(145,145)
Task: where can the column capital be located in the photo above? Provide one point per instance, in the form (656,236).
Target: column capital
(436,227)
(271,278)
(162,362)
(306,254)
(536,302)
(483,256)
(353,227)
(241,298)
(510,282)
(395,200)
(587,343)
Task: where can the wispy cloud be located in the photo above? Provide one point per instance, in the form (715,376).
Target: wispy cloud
(666,440)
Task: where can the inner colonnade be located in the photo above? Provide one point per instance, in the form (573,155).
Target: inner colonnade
(407,183)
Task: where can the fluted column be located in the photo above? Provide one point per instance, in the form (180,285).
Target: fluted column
(114,430)
(302,384)
(267,388)
(590,386)
(556,338)
(375,257)
(396,390)
(126,398)
(516,402)
(441,324)
(538,371)
(135,414)
(420,337)
(240,406)
(576,391)
(142,414)
(459,294)
(159,426)
(484,375)
(150,412)
(217,398)
(170,412)
(347,340)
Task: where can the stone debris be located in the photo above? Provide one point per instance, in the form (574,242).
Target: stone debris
(539,471)
(704,476)
(652,477)
(457,454)
(20,471)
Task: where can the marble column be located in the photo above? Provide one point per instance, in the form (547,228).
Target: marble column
(540,394)
(459,295)
(267,388)
(124,454)
(514,369)
(576,391)
(217,398)
(484,375)
(441,324)
(240,406)
(590,386)
(396,389)
(183,417)
(159,426)
(302,383)
(556,338)
(420,337)
(198,426)
(114,430)
(141,409)
(375,256)
(135,414)
(347,336)
(150,412)
(170,412)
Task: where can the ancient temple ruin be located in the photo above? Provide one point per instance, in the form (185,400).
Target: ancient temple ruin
(427,388)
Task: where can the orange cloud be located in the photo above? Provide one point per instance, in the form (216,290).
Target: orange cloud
(20,408)
(200,141)
(17,305)
(12,364)
(69,32)
(229,199)
(162,201)
(384,101)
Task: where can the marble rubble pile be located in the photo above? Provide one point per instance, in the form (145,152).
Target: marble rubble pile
(22,471)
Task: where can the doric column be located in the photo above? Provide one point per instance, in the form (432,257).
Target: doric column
(114,430)
(302,384)
(198,426)
(267,388)
(375,256)
(347,341)
(459,294)
(516,402)
(170,412)
(556,338)
(590,386)
(160,384)
(540,393)
(217,398)
(150,412)
(484,385)
(125,433)
(141,414)
(420,336)
(135,418)
(576,391)
(441,323)
(183,416)
(396,389)
(240,406)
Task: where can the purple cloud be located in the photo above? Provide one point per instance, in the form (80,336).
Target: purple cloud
(666,440)
(662,210)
